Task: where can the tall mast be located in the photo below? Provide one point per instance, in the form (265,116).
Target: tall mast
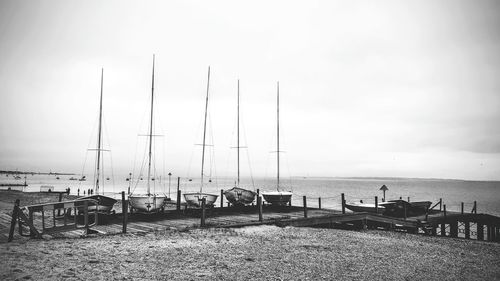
(278,136)
(238,132)
(151,125)
(96,189)
(204,132)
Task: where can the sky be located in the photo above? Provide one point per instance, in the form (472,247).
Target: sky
(367,88)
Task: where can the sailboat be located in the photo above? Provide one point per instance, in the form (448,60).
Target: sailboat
(105,203)
(278,197)
(194,199)
(149,202)
(238,195)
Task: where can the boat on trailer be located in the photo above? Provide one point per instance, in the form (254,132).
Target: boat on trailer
(195,199)
(278,197)
(104,203)
(238,196)
(148,202)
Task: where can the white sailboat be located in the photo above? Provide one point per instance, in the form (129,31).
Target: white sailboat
(148,202)
(105,203)
(194,199)
(278,197)
(238,195)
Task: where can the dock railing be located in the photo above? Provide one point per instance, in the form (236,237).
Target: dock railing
(51,222)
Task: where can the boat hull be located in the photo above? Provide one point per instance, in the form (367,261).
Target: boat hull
(279,198)
(364,207)
(194,199)
(239,196)
(105,203)
(147,203)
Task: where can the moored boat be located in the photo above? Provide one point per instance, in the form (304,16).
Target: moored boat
(278,197)
(364,207)
(148,202)
(237,195)
(195,199)
(104,203)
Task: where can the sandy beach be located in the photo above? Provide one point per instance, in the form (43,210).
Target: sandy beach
(260,252)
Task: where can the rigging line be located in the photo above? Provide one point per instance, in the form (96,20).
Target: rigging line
(248,152)
(107,139)
(88,145)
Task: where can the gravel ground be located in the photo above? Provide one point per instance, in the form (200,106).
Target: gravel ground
(261,253)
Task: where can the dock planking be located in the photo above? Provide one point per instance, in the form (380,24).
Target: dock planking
(436,223)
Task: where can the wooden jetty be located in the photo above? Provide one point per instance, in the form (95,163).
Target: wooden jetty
(62,223)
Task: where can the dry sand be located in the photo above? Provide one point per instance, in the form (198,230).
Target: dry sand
(262,253)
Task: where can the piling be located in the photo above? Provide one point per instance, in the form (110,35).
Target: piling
(319,203)
(462,208)
(305,206)
(376,204)
(222,198)
(443,229)
(124,212)
(86,216)
(480,231)
(454,229)
(343,202)
(259,206)
(60,199)
(408,199)
(13,220)
(203,202)
(489,236)
(467,230)
(444,210)
(474,209)
(440,204)
(178,203)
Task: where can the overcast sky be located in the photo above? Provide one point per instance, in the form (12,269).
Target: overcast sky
(368,88)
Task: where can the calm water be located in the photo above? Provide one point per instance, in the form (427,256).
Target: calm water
(453,192)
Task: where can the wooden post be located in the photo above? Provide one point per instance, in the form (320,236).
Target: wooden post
(489,236)
(343,203)
(454,229)
(259,205)
(86,216)
(30,217)
(13,220)
(376,204)
(474,209)
(443,229)
(480,232)
(60,199)
(319,203)
(305,206)
(440,204)
(124,212)
(467,229)
(222,198)
(462,208)
(434,230)
(203,202)
(178,203)
(405,211)
(408,199)
(444,210)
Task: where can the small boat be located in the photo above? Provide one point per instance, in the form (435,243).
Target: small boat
(195,199)
(105,203)
(365,207)
(237,195)
(279,198)
(149,202)
(420,205)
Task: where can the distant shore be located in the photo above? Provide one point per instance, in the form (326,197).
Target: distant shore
(261,253)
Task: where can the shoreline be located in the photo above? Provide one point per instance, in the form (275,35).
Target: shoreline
(254,252)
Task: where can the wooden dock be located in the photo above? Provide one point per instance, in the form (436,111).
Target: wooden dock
(435,223)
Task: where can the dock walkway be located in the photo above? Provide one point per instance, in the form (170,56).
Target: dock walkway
(436,223)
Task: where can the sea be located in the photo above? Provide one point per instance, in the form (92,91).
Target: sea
(486,194)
